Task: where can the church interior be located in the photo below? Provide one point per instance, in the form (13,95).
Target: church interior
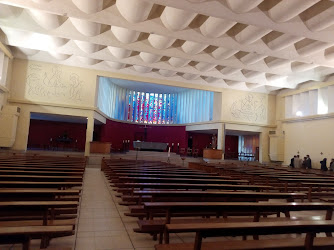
(117,113)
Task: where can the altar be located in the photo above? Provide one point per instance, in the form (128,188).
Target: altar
(150,146)
(210,153)
(100,147)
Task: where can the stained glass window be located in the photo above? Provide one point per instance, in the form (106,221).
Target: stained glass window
(185,106)
(151,108)
(147,106)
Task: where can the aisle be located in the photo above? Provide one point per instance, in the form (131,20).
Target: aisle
(102,224)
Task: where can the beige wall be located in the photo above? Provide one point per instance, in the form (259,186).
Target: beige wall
(248,107)
(52,89)
(2,98)
(24,119)
(247,111)
(53,84)
(217,106)
(58,89)
(307,135)
(5,86)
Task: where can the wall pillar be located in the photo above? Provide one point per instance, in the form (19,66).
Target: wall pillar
(221,138)
(22,131)
(89,134)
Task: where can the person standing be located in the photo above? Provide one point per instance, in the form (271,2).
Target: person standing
(304,163)
(331,166)
(300,162)
(297,162)
(292,164)
(323,165)
(308,162)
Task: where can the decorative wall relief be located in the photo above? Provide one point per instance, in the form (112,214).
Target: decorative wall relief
(251,108)
(52,83)
(75,87)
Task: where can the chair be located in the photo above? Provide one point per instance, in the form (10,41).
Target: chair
(189,151)
(182,151)
(195,153)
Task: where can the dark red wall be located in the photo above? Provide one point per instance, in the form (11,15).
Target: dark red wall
(40,133)
(231,147)
(200,141)
(116,132)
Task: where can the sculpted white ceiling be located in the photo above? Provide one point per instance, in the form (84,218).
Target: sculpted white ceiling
(254,45)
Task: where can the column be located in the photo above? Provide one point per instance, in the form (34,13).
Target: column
(22,131)
(331,99)
(89,134)
(221,138)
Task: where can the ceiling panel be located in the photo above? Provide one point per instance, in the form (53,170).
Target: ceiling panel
(251,45)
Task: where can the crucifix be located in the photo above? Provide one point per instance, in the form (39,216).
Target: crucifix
(145,132)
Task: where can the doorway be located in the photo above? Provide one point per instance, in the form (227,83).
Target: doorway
(57,132)
(242,145)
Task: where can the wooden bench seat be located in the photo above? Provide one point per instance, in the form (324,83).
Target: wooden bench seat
(42,168)
(14,171)
(38,217)
(13,235)
(181,180)
(41,184)
(71,178)
(272,244)
(327,199)
(47,193)
(261,228)
(21,223)
(158,225)
(115,178)
(322,194)
(34,203)
(43,209)
(218,209)
(135,198)
(163,195)
(123,187)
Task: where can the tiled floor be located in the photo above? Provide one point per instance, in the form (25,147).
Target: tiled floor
(103,225)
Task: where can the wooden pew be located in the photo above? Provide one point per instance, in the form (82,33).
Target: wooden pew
(138,196)
(118,172)
(262,228)
(38,206)
(320,186)
(150,169)
(43,168)
(200,196)
(219,209)
(13,235)
(37,194)
(127,189)
(168,175)
(41,184)
(181,180)
(43,209)
(43,164)
(39,172)
(187,186)
(305,180)
(163,195)
(40,178)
